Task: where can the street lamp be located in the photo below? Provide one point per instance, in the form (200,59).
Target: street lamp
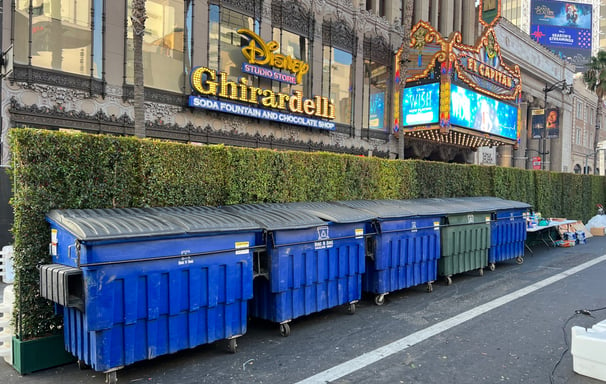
(586,170)
(564,87)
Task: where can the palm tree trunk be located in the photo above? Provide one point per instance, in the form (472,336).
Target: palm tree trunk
(138,17)
(596,138)
(406,26)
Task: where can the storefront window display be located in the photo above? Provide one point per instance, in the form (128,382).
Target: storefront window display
(166,44)
(337,80)
(225,43)
(295,46)
(66,35)
(375,93)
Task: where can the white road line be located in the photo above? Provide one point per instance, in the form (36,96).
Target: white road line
(371,357)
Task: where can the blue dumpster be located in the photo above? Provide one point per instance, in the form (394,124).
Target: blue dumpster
(313,261)
(403,246)
(508,229)
(135,284)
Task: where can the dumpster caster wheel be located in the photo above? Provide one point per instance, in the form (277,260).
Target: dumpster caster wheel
(429,287)
(448,280)
(491,266)
(284,330)
(232,345)
(111,377)
(82,365)
(481,271)
(519,260)
(352,308)
(379,300)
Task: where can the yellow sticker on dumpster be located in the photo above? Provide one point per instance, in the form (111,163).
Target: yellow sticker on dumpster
(359,233)
(54,242)
(242,247)
(436,225)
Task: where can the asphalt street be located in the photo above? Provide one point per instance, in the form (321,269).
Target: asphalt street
(508,325)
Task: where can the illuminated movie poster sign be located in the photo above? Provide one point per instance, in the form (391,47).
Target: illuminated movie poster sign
(377,110)
(420,105)
(564,28)
(216,92)
(473,110)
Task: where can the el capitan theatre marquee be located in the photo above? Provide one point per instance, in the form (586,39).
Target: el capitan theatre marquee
(216,92)
(458,94)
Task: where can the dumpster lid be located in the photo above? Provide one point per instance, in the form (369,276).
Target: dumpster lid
(122,223)
(332,211)
(99,224)
(381,209)
(423,207)
(442,206)
(499,203)
(274,217)
(490,203)
(205,219)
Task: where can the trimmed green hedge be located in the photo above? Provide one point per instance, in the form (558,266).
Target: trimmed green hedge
(63,170)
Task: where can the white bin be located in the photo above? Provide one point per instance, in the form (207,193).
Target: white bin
(588,350)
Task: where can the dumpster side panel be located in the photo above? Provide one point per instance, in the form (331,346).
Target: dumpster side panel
(310,270)
(137,311)
(508,235)
(63,247)
(406,250)
(465,243)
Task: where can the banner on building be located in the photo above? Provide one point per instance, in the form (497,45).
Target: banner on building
(538,123)
(552,123)
(564,28)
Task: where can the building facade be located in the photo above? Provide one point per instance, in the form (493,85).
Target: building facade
(72,68)
(584,130)
(69,65)
(572,150)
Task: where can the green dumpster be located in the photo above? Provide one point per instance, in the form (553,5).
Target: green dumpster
(465,237)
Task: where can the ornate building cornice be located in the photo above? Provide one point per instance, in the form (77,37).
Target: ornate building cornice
(339,35)
(293,16)
(34,75)
(57,117)
(153,95)
(251,7)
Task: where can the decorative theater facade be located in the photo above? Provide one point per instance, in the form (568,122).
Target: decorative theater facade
(464,96)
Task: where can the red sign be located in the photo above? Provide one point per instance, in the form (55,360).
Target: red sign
(536,162)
